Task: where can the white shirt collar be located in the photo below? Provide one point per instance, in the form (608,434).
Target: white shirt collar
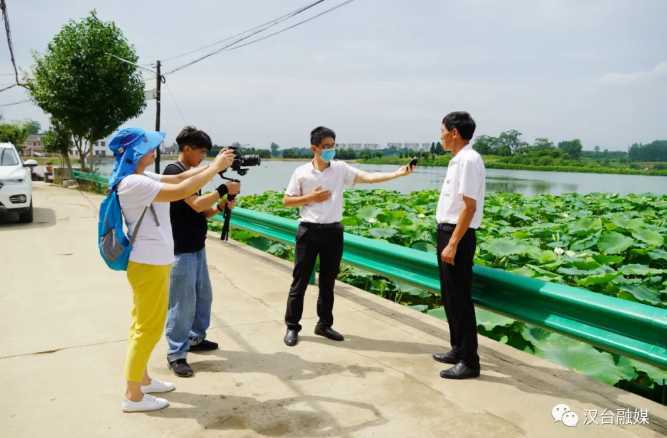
(465,148)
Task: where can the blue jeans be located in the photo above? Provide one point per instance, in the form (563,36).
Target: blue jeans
(190,297)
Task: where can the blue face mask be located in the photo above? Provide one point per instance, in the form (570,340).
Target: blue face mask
(328,154)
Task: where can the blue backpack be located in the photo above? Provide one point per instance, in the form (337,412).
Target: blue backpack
(114,245)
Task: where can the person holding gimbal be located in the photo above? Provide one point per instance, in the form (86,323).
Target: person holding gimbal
(152,250)
(190,292)
(317,189)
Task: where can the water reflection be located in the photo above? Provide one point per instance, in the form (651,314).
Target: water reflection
(526,186)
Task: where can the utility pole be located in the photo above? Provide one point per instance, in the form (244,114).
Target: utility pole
(160,79)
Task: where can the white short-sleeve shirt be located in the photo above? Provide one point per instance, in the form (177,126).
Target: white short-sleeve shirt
(154,245)
(306,178)
(466,176)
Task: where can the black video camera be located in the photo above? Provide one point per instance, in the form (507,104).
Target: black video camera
(241,162)
(239,165)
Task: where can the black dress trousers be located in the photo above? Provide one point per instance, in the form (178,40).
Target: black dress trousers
(313,239)
(456,293)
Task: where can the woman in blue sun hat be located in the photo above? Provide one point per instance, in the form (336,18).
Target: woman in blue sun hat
(152,253)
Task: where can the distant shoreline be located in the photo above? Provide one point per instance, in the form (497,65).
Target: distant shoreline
(493,164)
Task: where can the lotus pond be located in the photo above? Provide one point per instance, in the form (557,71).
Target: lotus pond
(609,244)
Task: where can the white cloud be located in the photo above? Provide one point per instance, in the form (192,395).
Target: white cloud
(659,72)
(387,71)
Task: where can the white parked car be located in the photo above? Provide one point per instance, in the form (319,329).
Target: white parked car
(15,183)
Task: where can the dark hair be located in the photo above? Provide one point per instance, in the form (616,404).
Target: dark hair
(320,133)
(462,121)
(193,137)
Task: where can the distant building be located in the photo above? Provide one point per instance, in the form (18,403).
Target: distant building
(33,146)
(173,149)
(100,149)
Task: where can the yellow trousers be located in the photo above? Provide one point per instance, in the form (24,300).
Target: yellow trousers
(150,288)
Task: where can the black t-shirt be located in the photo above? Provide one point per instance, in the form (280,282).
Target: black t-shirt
(188,226)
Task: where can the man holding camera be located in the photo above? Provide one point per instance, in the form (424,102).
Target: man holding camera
(317,189)
(190,293)
(459,214)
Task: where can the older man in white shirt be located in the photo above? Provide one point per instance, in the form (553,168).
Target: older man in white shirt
(459,214)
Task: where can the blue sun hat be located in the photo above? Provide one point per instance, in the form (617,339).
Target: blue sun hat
(129,145)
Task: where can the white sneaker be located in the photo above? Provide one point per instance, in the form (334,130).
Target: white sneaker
(148,403)
(157,386)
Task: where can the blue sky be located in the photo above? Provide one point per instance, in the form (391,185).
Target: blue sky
(379,71)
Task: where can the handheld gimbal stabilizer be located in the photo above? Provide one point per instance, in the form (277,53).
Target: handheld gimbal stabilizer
(239,165)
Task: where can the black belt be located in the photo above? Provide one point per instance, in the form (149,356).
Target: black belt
(316,226)
(449,227)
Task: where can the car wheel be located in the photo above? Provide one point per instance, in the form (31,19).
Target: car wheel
(25,216)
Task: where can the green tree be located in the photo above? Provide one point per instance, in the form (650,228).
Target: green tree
(485,144)
(509,142)
(543,143)
(572,148)
(274,149)
(14,133)
(654,151)
(58,140)
(80,82)
(32,127)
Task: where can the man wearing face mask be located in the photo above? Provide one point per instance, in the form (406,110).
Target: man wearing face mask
(317,189)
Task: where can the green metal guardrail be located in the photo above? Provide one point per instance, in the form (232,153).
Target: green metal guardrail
(90,177)
(624,327)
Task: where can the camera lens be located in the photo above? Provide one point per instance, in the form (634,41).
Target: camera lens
(250,160)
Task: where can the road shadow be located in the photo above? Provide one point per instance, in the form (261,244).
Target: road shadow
(299,416)
(42,218)
(285,366)
(500,368)
(355,342)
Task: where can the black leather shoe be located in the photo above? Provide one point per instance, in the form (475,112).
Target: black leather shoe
(204,345)
(291,338)
(460,371)
(181,368)
(328,333)
(449,357)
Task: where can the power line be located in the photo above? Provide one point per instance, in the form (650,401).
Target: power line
(178,108)
(127,61)
(15,103)
(9,87)
(245,37)
(5,16)
(268,23)
(292,26)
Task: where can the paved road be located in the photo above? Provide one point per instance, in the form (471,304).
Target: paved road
(63,331)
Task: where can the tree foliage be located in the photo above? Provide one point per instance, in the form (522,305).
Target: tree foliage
(572,148)
(58,139)
(654,151)
(12,133)
(83,86)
